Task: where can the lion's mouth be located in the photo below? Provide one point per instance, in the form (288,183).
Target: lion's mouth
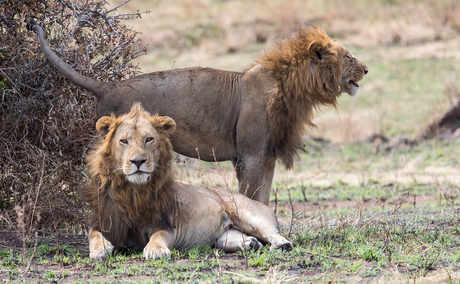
(351,86)
(138,177)
(353,83)
(138,172)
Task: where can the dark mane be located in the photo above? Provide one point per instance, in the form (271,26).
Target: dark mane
(303,85)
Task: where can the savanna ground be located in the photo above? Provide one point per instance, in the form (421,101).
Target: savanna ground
(359,209)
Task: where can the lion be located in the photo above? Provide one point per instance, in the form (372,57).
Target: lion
(252,118)
(136,203)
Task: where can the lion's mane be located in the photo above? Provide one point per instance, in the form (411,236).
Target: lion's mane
(119,206)
(302,87)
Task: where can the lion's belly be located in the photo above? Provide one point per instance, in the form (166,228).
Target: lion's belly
(209,146)
(199,218)
(199,234)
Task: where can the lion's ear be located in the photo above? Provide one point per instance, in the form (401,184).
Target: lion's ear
(103,125)
(165,124)
(317,50)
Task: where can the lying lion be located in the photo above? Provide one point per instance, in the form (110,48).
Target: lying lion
(251,118)
(137,204)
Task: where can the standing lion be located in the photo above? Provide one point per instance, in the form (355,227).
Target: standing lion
(137,204)
(251,118)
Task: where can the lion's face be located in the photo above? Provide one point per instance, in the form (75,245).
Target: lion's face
(339,70)
(353,71)
(136,141)
(136,149)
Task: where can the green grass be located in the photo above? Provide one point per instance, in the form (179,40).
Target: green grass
(385,242)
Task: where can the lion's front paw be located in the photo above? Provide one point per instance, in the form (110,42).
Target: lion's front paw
(151,252)
(281,243)
(251,243)
(101,250)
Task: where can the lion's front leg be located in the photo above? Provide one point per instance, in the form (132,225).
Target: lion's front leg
(254,180)
(159,245)
(99,247)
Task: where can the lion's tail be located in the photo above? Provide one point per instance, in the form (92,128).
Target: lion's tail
(87,83)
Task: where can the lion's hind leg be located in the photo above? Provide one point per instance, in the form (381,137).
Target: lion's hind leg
(99,247)
(258,220)
(234,240)
(280,242)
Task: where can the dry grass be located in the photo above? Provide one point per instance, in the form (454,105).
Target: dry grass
(213,29)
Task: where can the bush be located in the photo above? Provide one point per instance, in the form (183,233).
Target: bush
(46,122)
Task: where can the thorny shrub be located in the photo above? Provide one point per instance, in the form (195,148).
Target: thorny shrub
(46,122)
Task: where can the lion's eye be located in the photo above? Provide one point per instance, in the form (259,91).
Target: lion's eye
(124,141)
(149,139)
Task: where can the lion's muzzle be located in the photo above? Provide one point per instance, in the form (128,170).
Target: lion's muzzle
(138,162)
(354,72)
(137,170)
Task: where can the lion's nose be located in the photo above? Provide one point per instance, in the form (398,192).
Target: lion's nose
(365,71)
(138,162)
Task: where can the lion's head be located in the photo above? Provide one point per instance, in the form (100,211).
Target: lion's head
(337,68)
(353,71)
(130,174)
(134,147)
(309,62)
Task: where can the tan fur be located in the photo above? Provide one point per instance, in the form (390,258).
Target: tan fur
(137,204)
(251,118)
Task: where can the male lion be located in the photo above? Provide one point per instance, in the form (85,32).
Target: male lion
(251,118)
(136,202)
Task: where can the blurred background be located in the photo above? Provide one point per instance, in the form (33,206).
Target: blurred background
(412,49)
